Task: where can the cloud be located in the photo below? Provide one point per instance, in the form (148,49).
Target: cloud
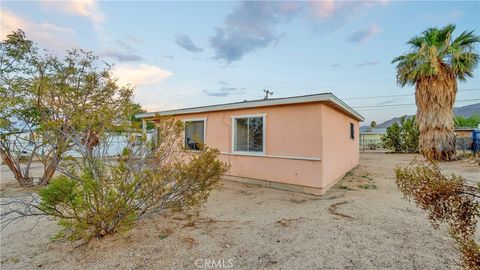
(125,52)
(84,8)
(224,90)
(139,75)
(185,42)
(250,27)
(368,63)
(362,35)
(252,24)
(446,18)
(47,35)
(334,11)
(120,56)
(389,101)
(456,14)
(323,9)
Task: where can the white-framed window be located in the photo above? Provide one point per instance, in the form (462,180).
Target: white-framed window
(248,134)
(195,130)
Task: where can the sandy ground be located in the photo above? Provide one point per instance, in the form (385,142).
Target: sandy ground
(250,227)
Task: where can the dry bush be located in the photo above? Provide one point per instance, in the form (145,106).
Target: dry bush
(98,196)
(446,199)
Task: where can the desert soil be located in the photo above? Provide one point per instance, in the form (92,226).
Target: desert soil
(361,223)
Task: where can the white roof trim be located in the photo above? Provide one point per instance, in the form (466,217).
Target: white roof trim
(325,97)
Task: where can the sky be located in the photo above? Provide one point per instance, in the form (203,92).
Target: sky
(186,54)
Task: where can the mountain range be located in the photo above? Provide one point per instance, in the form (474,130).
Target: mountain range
(464,111)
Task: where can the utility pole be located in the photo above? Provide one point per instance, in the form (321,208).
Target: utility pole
(267,93)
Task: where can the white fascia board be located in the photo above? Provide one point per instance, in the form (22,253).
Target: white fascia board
(259,103)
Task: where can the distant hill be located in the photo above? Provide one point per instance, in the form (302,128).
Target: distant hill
(388,123)
(467,111)
(464,111)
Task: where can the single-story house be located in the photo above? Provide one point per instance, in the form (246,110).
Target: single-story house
(302,143)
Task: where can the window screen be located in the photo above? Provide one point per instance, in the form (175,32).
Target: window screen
(248,134)
(194,134)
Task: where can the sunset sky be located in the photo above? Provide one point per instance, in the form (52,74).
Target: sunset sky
(183,54)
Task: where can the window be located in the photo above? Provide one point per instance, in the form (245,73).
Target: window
(194,134)
(352,131)
(248,134)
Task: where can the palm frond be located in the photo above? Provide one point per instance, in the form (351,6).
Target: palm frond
(466,40)
(416,41)
(434,51)
(463,65)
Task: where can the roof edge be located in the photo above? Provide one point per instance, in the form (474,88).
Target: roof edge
(259,103)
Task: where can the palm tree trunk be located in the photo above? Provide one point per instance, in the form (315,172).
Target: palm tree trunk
(435,96)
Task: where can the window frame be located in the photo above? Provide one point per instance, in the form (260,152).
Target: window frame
(234,129)
(204,120)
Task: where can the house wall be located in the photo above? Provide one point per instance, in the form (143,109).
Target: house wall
(298,141)
(340,153)
(463,133)
(292,132)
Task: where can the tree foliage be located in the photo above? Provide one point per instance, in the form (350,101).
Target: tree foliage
(403,137)
(137,122)
(446,199)
(434,63)
(468,122)
(45,98)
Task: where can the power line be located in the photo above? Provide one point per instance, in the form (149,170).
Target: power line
(375,107)
(403,95)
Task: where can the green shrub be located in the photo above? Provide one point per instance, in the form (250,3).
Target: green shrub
(393,140)
(467,122)
(103,199)
(402,137)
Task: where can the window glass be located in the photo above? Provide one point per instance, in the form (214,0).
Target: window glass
(255,127)
(194,134)
(352,131)
(248,135)
(241,138)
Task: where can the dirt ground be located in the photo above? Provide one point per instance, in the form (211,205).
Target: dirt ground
(361,223)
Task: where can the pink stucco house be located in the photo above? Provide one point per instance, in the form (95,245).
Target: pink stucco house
(303,143)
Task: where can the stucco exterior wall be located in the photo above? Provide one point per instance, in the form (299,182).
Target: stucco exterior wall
(305,144)
(292,132)
(340,153)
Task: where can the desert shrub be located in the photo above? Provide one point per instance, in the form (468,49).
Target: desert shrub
(109,199)
(410,134)
(446,199)
(99,195)
(392,139)
(402,137)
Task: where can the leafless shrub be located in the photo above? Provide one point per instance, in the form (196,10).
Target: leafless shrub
(446,199)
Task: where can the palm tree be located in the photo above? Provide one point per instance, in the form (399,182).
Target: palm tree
(433,65)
